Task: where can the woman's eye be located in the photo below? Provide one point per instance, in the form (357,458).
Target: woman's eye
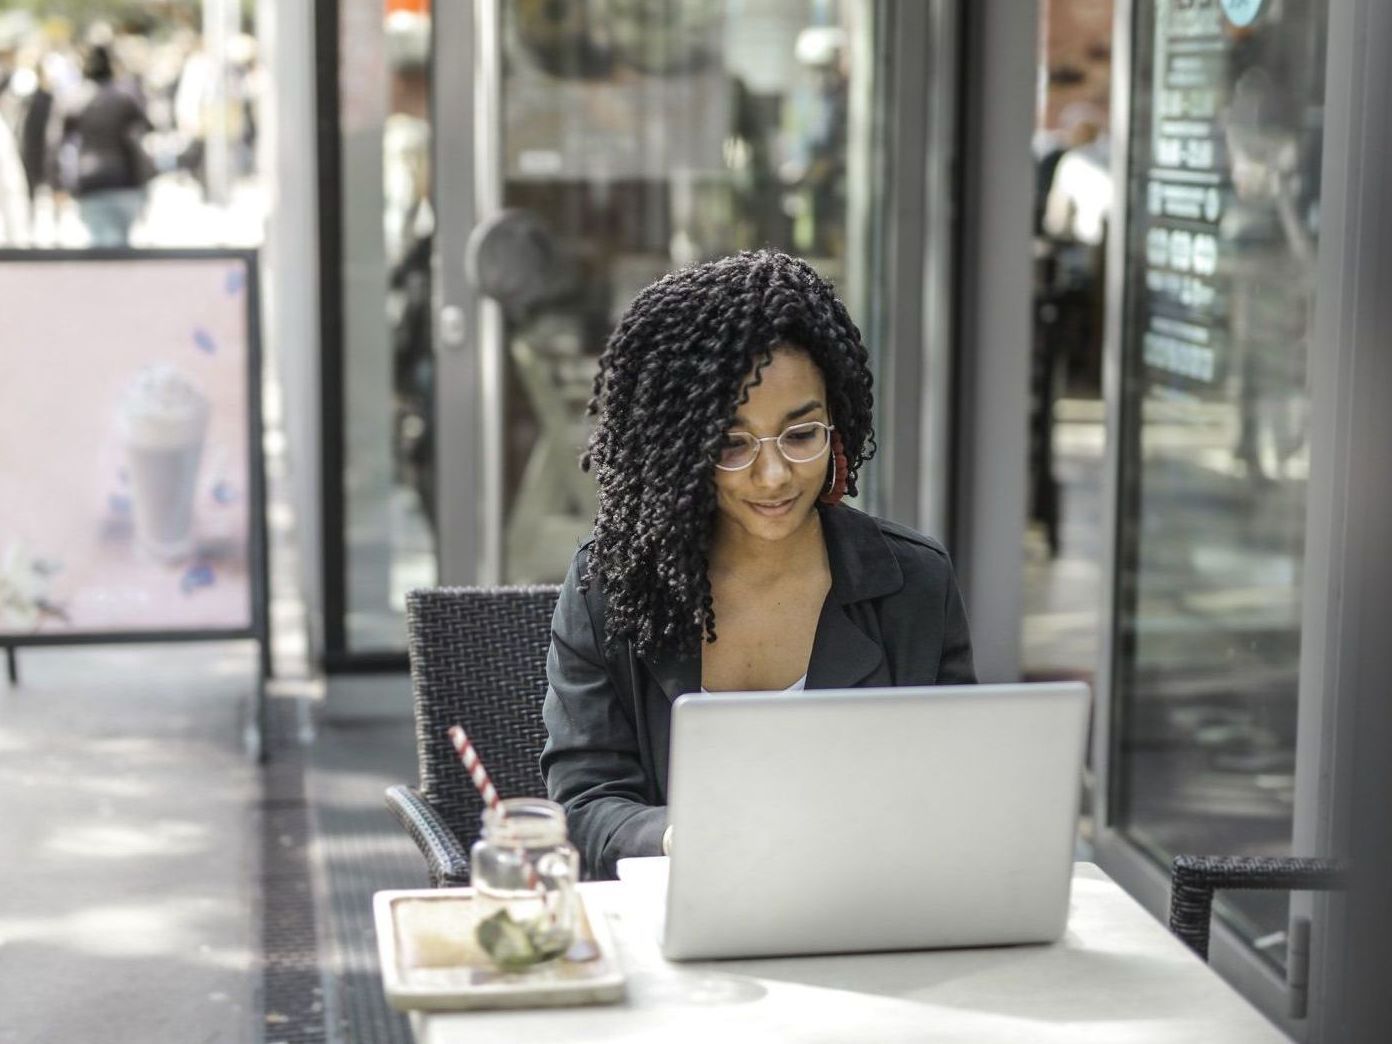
(800,434)
(730,442)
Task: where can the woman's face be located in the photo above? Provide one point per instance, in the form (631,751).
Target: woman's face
(773,498)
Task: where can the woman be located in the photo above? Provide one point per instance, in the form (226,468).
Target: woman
(102,160)
(734,412)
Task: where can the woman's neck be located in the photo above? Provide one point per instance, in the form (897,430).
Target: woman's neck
(734,552)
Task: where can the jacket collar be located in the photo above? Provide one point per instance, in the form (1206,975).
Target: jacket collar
(862,567)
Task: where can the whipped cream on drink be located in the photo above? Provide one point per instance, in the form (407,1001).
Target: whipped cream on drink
(162,419)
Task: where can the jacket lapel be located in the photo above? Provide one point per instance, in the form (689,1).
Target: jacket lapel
(862,568)
(843,655)
(862,565)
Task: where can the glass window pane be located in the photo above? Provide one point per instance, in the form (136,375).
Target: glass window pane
(646,136)
(1224,203)
(1067,430)
(1074,189)
(387,227)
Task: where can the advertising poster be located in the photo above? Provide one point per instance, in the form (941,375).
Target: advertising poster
(128,427)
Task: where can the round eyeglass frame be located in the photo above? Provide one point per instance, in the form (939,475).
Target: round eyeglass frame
(777,440)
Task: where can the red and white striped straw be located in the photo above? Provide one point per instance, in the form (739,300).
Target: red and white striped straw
(473,764)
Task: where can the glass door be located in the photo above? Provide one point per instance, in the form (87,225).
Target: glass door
(600,145)
(1212,453)
(381,515)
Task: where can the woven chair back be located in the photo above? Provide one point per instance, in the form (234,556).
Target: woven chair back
(478,659)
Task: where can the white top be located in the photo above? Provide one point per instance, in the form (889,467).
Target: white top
(797,686)
(1116,977)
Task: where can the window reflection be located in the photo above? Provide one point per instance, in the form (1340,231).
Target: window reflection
(1067,430)
(646,135)
(1224,197)
(387,225)
(408,233)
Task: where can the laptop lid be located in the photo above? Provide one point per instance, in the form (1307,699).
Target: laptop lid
(872,819)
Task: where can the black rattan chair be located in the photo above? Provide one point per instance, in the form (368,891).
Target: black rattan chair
(478,659)
(1194,879)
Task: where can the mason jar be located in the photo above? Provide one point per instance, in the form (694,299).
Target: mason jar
(524,870)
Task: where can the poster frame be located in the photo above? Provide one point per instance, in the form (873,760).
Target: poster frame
(258,567)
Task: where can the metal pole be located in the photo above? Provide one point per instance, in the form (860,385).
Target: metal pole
(259,747)
(12,664)
(492,331)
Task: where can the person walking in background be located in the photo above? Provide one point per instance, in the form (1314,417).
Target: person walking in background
(193,95)
(102,161)
(34,138)
(14,192)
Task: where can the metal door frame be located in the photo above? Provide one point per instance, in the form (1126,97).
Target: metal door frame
(915,385)
(1349,433)
(989,382)
(462,100)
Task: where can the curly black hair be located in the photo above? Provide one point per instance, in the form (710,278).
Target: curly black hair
(668,387)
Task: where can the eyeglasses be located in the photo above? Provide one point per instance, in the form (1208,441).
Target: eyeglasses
(799,443)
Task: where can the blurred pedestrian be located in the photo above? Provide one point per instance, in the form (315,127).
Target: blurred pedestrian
(14,192)
(102,161)
(1075,181)
(34,138)
(194,95)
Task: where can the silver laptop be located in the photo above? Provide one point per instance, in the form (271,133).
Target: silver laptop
(841,821)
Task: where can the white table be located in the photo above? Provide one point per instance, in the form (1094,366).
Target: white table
(1117,977)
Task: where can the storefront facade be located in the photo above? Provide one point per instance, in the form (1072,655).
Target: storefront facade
(535,166)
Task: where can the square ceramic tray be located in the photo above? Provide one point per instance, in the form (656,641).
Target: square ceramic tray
(430,960)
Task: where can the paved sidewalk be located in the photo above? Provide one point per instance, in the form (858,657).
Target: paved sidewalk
(131,844)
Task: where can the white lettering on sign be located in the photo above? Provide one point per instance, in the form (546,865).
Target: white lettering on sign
(1179,357)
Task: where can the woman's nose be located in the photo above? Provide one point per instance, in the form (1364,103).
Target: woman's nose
(770,469)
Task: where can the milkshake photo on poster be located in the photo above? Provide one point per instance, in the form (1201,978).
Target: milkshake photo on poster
(127,492)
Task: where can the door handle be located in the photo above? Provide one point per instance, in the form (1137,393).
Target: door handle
(453,333)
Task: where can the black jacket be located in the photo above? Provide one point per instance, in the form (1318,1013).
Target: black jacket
(894,616)
(105,137)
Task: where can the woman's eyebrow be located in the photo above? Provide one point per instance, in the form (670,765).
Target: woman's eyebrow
(807,407)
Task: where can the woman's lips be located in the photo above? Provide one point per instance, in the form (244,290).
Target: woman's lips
(773,508)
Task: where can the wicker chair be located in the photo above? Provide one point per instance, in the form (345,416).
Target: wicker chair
(1194,879)
(478,659)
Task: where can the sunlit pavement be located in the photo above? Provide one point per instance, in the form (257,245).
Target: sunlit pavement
(126,890)
(176,215)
